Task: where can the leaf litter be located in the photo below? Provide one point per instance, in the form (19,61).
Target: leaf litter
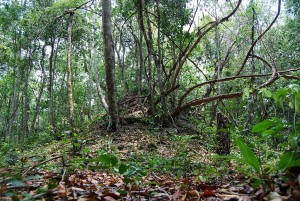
(82,184)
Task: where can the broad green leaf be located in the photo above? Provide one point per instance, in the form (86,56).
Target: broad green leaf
(295,163)
(114,160)
(123,168)
(280,95)
(104,158)
(262,126)
(297,102)
(285,160)
(108,159)
(293,139)
(248,155)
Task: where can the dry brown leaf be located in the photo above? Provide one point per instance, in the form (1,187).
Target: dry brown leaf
(194,193)
(176,195)
(108,198)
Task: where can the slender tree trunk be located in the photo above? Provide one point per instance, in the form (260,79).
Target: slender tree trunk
(140,7)
(122,66)
(38,100)
(252,96)
(109,65)
(121,62)
(26,109)
(141,67)
(14,107)
(223,136)
(90,84)
(51,79)
(69,74)
(159,63)
(152,107)
(99,89)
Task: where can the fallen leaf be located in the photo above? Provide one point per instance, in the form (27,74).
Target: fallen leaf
(194,193)
(176,195)
(161,196)
(108,198)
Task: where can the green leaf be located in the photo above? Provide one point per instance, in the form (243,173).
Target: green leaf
(108,159)
(41,190)
(266,92)
(86,150)
(123,168)
(280,95)
(262,126)
(248,155)
(32,177)
(285,160)
(297,102)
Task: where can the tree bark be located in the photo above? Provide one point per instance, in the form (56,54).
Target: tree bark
(141,57)
(99,89)
(90,84)
(223,135)
(159,64)
(38,99)
(109,65)
(251,105)
(25,115)
(121,63)
(51,79)
(69,74)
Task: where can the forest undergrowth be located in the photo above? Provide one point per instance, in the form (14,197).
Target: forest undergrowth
(139,162)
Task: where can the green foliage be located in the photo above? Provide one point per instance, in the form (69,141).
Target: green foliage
(288,159)
(248,155)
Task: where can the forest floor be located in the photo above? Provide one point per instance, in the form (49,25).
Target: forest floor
(139,162)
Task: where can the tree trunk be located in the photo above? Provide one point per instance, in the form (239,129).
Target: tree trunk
(159,64)
(109,65)
(14,107)
(51,78)
(252,96)
(223,139)
(90,84)
(25,114)
(38,100)
(152,106)
(141,57)
(121,63)
(99,89)
(69,74)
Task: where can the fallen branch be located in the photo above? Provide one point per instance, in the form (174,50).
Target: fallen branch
(46,161)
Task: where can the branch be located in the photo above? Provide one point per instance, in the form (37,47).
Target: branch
(258,38)
(291,77)
(201,35)
(31,168)
(205,100)
(275,75)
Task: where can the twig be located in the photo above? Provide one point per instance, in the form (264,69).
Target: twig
(34,197)
(31,168)
(63,176)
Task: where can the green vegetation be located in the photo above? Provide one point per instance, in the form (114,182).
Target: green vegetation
(151,99)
